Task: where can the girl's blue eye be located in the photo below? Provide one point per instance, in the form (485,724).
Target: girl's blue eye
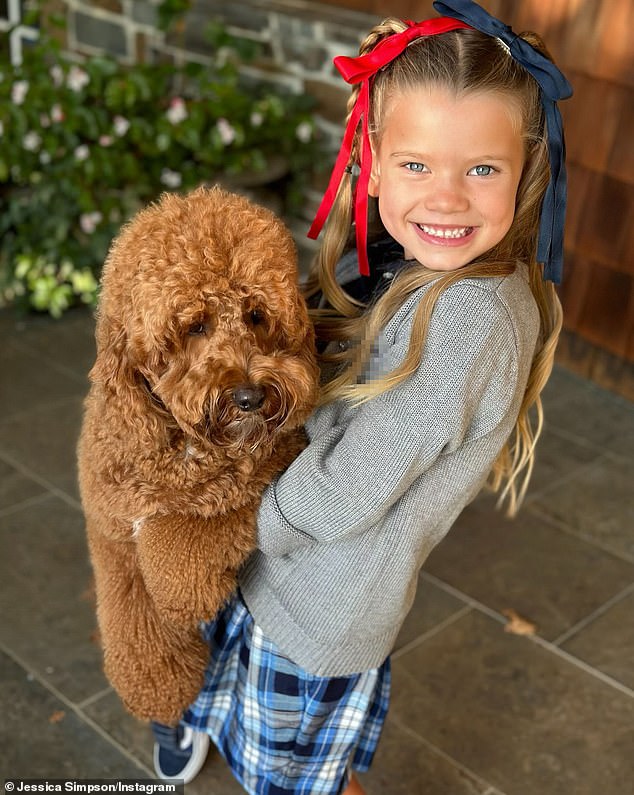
(417,168)
(482,171)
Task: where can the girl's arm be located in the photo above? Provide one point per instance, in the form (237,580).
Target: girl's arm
(355,468)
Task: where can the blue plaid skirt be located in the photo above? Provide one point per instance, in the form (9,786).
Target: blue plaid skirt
(282,730)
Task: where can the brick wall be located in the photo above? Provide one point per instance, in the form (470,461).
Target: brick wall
(589,39)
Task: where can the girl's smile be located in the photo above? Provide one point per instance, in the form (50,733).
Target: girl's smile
(446,170)
(440,235)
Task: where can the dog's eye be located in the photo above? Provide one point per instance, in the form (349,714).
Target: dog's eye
(197,330)
(256,316)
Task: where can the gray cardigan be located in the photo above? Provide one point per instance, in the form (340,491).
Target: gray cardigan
(343,533)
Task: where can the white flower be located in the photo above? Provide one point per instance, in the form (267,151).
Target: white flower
(77,78)
(19,91)
(57,75)
(57,114)
(106,140)
(304,132)
(89,221)
(256,118)
(82,152)
(172,179)
(227,133)
(31,141)
(121,125)
(45,158)
(177,111)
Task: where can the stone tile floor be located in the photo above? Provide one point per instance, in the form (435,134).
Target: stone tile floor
(476,710)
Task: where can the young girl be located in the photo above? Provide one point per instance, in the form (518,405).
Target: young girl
(440,347)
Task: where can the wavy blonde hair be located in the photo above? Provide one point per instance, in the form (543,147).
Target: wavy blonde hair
(462,61)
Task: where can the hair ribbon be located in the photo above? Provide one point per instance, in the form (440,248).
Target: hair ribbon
(361,70)
(554,86)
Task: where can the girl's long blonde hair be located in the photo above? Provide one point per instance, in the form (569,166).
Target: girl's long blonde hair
(462,61)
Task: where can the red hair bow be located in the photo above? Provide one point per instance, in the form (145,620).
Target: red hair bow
(361,70)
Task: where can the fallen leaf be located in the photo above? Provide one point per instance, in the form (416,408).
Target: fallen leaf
(518,625)
(57,716)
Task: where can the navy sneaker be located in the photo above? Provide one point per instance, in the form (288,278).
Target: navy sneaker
(179,752)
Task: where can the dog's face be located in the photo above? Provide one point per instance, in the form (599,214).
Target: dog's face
(200,301)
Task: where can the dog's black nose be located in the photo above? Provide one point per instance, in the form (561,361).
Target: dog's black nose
(248,397)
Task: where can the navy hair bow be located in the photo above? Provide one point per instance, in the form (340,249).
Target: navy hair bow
(554,86)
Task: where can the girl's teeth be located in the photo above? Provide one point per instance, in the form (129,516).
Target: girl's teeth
(452,233)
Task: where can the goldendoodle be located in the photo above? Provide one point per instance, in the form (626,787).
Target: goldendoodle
(205,373)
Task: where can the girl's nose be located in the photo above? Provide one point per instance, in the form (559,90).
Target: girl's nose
(446,196)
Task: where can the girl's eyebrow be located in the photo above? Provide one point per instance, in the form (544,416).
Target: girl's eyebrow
(479,158)
(499,158)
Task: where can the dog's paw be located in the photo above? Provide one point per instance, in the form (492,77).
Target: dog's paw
(186,606)
(287,447)
(161,684)
(189,564)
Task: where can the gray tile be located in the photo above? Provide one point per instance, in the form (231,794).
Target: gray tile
(562,385)
(546,575)
(608,642)
(557,458)
(46,739)
(108,712)
(28,383)
(588,412)
(431,607)
(47,621)
(623,445)
(16,488)
(596,503)
(405,765)
(67,344)
(43,441)
(36,328)
(514,713)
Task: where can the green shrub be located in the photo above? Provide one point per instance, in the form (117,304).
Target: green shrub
(85,144)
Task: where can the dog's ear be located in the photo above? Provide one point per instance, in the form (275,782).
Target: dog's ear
(301,330)
(127,382)
(112,368)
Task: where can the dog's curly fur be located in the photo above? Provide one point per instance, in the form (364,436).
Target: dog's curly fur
(205,372)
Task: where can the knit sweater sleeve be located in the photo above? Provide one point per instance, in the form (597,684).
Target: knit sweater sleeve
(361,460)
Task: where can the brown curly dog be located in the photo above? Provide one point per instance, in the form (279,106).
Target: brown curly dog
(205,372)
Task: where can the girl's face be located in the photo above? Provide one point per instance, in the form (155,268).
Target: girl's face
(446,171)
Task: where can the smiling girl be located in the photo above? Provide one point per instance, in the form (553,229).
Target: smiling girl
(440,328)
